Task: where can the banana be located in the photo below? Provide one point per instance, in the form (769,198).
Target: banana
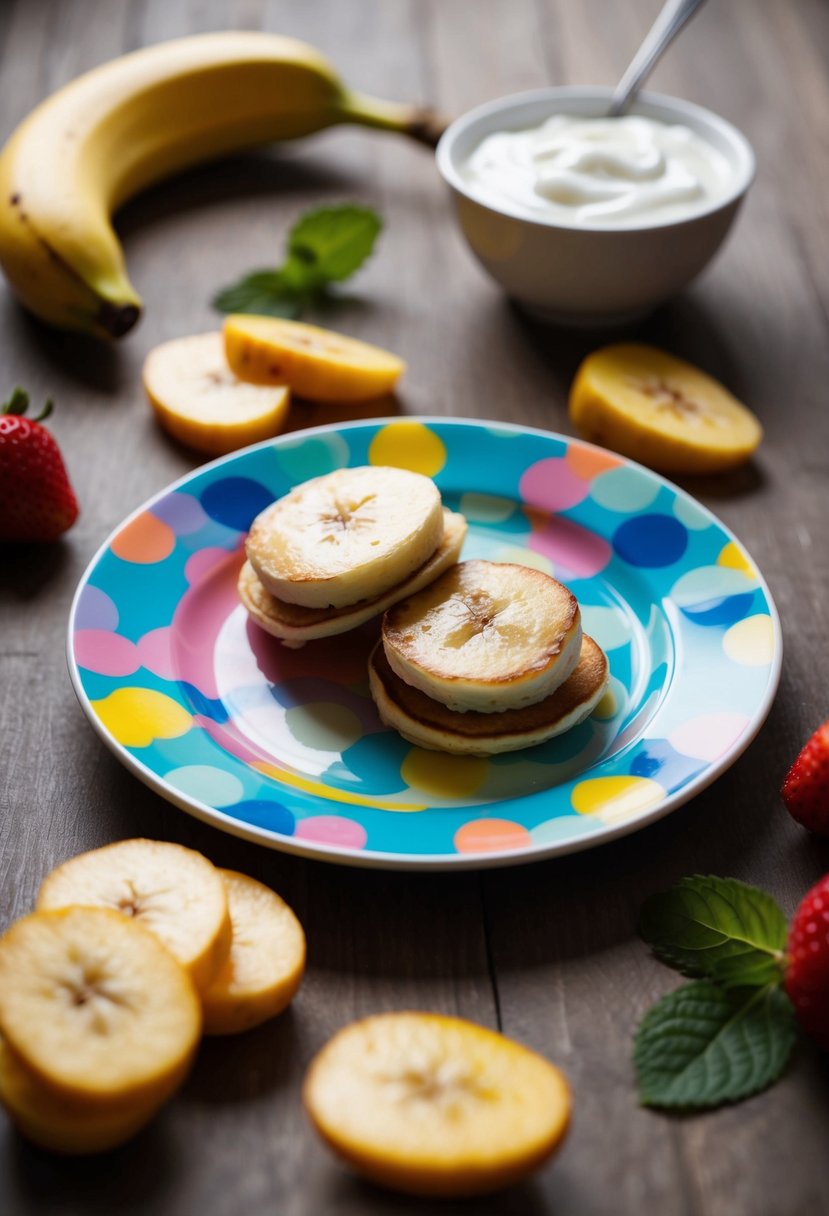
(198,400)
(486,636)
(130,122)
(318,364)
(295,625)
(661,411)
(96,1008)
(346,536)
(436,1105)
(174,892)
(428,724)
(66,1125)
(267,958)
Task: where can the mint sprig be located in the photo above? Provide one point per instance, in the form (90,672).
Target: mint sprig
(325,246)
(730,1033)
(703,1045)
(717,927)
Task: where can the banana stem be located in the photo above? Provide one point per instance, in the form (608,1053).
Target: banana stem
(418,122)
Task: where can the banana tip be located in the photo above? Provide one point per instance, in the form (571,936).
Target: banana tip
(117,319)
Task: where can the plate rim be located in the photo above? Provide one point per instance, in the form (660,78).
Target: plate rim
(379,859)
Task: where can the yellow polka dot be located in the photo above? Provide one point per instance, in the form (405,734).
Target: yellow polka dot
(137,716)
(408,445)
(330,793)
(751,642)
(615,799)
(735,559)
(443,776)
(520,556)
(607,706)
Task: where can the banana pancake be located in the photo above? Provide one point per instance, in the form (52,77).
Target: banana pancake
(347,536)
(428,723)
(485,636)
(295,624)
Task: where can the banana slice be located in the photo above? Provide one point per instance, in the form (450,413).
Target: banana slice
(318,364)
(264,969)
(296,625)
(96,1007)
(173,891)
(199,401)
(436,1105)
(661,411)
(426,723)
(62,1124)
(347,536)
(487,636)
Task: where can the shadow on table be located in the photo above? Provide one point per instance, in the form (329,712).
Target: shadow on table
(143,1170)
(354,1195)
(683,327)
(91,362)
(27,569)
(239,1068)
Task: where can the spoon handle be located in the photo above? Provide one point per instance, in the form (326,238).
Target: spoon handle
(670,21)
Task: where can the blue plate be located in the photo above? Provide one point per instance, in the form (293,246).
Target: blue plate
(284,747)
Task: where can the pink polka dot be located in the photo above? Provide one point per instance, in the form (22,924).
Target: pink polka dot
(332,829)
(202,561)
(709,736)
(106,653)
(572,549)
(553,485)
(154,651)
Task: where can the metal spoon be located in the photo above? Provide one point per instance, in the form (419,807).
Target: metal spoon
(674,15)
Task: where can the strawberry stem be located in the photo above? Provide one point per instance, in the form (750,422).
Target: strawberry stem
(18,403)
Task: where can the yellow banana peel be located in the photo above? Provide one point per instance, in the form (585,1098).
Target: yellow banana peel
(130,122)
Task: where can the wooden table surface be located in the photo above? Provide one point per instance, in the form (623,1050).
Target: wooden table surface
(547,952)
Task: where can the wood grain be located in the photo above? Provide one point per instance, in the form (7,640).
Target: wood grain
(547,952)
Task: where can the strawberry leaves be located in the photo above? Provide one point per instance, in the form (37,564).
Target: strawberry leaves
(37,502)
(730,1033)
(18,404)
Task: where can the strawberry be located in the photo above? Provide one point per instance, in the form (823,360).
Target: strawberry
(807,973)
(37,502)
(806,788)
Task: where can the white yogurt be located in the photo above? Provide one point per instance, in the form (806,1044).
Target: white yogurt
(599,172)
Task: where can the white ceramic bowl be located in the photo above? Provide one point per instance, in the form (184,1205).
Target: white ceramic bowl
(597,275)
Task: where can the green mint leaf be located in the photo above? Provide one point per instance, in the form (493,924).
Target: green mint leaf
(330,243)
(717,927)
(326,245)
(262,292)
(702,1046)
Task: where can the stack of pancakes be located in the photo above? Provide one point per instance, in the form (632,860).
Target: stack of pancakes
(490,658)
(475,657)
(341,548)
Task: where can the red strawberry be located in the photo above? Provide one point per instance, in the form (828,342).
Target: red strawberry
(37,502)
(806,788)
(807,974)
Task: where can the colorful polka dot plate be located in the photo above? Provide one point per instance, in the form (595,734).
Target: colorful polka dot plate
(284,747)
